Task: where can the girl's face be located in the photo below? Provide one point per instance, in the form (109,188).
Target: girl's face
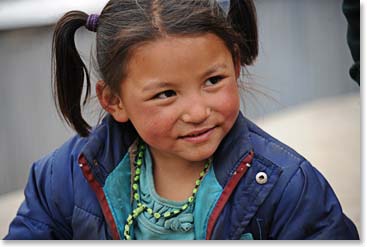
(181,95)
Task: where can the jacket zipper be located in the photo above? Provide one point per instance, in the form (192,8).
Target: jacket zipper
(98,190)
(227,191)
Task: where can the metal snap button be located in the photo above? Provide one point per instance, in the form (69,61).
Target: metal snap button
(261,178)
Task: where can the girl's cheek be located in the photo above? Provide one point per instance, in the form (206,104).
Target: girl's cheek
(157,125)
(229,102)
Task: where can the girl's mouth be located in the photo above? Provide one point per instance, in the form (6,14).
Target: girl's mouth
(198,136)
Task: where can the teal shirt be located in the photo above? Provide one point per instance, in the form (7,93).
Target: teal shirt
(180,227)
(190,224)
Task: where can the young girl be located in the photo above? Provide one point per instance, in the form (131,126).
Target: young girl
(174,158)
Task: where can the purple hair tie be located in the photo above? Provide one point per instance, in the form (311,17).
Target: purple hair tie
(92,22)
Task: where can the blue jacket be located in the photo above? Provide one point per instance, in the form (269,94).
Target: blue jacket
(268,191)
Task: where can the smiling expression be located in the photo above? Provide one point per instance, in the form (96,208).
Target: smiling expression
(181,95)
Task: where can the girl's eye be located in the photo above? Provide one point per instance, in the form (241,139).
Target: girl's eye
(213,80)
(165,94)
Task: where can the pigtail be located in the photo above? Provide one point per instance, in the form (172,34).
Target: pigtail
(69,71)
(242,17)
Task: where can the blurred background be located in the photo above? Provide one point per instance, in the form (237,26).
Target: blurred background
(299,90)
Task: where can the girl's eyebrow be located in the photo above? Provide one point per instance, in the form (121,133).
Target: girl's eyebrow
(152,85)
(214,69)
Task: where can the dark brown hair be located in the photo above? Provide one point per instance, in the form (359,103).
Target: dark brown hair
(126,24)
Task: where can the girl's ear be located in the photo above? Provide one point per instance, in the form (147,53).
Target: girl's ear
(111,103)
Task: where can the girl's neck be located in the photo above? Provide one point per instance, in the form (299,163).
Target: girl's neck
(175,178)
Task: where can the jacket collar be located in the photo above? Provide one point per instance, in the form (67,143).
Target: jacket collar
(233,149)
(107,145)
(110,141)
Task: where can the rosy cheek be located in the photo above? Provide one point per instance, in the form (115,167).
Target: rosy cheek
(230,102)
(156,126)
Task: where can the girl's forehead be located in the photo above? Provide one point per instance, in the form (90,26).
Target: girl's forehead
(180,50)
(178,59)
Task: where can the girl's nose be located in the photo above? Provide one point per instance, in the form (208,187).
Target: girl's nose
(196,113)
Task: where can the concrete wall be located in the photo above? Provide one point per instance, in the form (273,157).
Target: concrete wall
(303,57)
(29,124)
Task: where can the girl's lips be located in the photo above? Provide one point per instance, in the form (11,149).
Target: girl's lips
(199,136)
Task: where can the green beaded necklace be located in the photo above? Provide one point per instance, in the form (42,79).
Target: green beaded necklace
(144,208)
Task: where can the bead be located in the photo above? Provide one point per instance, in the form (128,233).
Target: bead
(136,196)
(134,213)
(167,214)
(195,190)
(136,178)
(198,182)
(140,209)
(184,207)
(191,199)
(127,228)
(202,174)
(137,172)
(177,211)
(157,215)
(135,186)
(139,162)
(130,217)
(128,238)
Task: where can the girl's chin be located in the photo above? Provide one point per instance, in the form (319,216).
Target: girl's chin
(199,156)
